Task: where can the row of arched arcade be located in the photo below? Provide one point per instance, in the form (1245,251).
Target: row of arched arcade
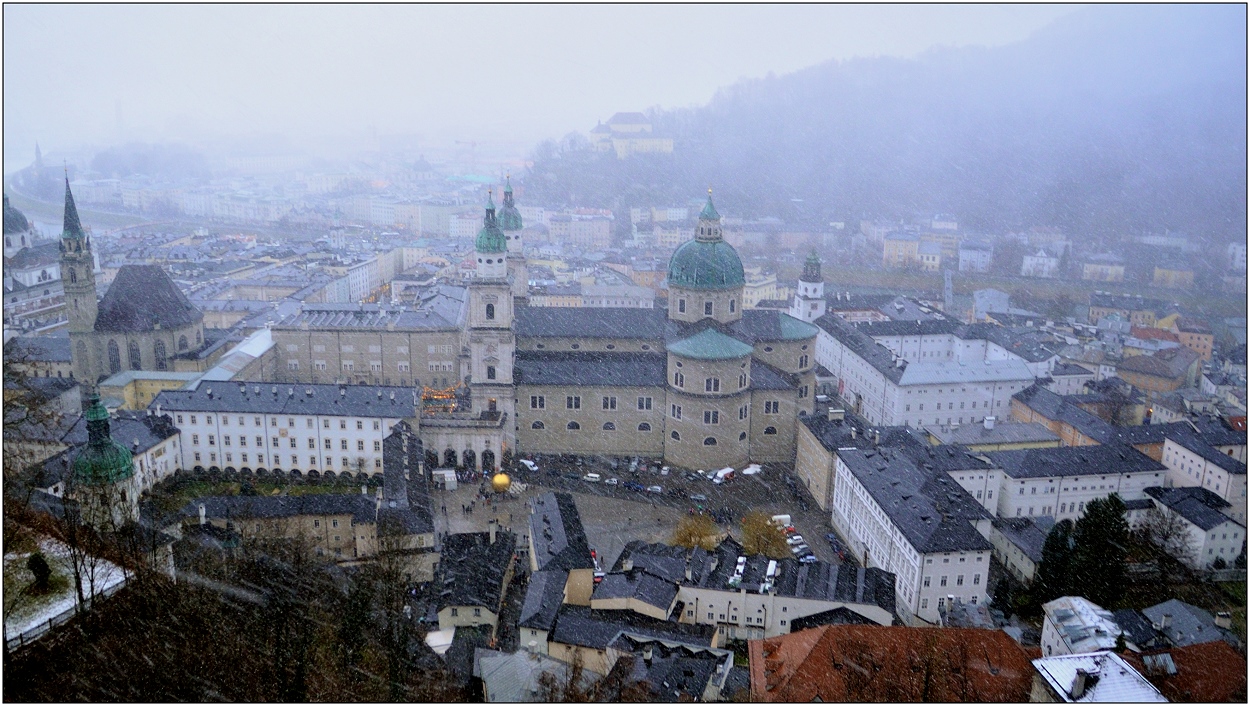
(295,474)
(465,460)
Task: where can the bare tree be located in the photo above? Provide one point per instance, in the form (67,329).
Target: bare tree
(1169,531)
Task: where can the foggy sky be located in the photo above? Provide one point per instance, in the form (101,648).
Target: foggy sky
(104,74)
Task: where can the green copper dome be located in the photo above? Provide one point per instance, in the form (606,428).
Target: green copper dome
(509,216)
(490,239)
(102,460)
(701,264)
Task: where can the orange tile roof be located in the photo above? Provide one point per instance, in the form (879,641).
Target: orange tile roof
(1145,332)
(874,663)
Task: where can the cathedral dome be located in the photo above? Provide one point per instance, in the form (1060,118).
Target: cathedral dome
(103,460)
(14,220)
(490,239)
(707,262)
(509,216)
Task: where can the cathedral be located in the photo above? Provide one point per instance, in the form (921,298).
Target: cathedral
(142,323)
(704,383)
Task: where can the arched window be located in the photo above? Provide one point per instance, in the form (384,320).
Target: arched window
(490,311)
(609,426)
(158,352)
(115,358)
(182,343)
(73,275)
(538,425)
(770,430)
(742,436)
(710,441)
(644,427)
(572,426)
(676,436)
(136,362)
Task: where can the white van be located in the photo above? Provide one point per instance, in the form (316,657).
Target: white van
(591,477)
(782,520)
(723,475)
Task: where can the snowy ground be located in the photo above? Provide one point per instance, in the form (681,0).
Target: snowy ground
(26,617)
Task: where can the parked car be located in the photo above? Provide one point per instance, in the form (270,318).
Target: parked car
(611,481)
(592,477)
(615,463)
(794,539)
(654,489)
(529,465)
(692,477)
(635,486)
(808,559)
(633,465)
(800,548)
(664,470)
(698,498)
(571,475)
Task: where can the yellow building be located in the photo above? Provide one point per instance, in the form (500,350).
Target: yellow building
(135,389)
(1174,277)
(1103,269)
(759,286)
(946,240)
(930,256)
(629,134)
(901,250)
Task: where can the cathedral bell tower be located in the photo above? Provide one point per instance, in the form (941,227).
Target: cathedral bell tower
(78,278)
(491,343)
(511,224)
(809,299)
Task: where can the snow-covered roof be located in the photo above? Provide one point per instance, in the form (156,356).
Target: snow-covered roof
(1108,679)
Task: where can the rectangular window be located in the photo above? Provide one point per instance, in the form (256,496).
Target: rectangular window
(212,441)
(942,582)
(360,445)
(707,308)
(538,402)
(490,372)
(260,441)
(343,444)
(681,307)
(711,385)
(573,402)
(609,403)
(292,442)
(959,580)
(195,439)
(644,403)
(312,443)
(772,407)
(377,446)
(711,416)
(675,411)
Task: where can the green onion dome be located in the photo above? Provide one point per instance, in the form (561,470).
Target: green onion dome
(103,460)
(509,216)
(490,239)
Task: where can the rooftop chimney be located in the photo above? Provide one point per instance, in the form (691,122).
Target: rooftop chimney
(1078,684)
(203,515)
(989,422)
(1223,620)
(1166,622)
(836,415)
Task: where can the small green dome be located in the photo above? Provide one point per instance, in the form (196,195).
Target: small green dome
(490,239)
(709,211)
(704,264)
(102,461)
(14,220)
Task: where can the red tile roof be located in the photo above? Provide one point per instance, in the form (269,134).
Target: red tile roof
(874,663)
(1158,334)
(1210,672)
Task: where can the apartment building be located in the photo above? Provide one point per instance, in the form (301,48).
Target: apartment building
(1060,482)
(1193,461)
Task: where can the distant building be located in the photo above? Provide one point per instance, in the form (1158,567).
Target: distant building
(1090,678)
(901,249)
(975,256)
(1174,277)
(1076,625)
(629,134)
(1103,268)
(1040,264)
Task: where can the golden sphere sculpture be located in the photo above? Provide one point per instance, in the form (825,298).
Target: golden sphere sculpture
(500,482)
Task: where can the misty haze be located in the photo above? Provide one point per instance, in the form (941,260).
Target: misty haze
(536,353)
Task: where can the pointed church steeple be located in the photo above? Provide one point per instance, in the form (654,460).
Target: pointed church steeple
(73,226)
(38,158)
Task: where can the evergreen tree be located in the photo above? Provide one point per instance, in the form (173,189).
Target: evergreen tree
(1101,538)
(1053,576)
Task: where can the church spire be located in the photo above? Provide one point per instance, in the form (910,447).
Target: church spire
(73,227)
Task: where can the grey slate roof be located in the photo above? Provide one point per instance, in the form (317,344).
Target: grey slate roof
(1198,506)
(140,297)
(596,629)
(42,349)
(1200,446)
(329,400)
(933,512)
(861,344)
(444,311)
(362,508)
(472,570)
(1011,432)
(766,377)
(590,368)
(1104,459)
(638,584)
(1027,533)
(543,598)
(1137,628)
(1053,406)
(1217,432)
(1067,369)
(557,534)
(1190,625)
(595,322)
